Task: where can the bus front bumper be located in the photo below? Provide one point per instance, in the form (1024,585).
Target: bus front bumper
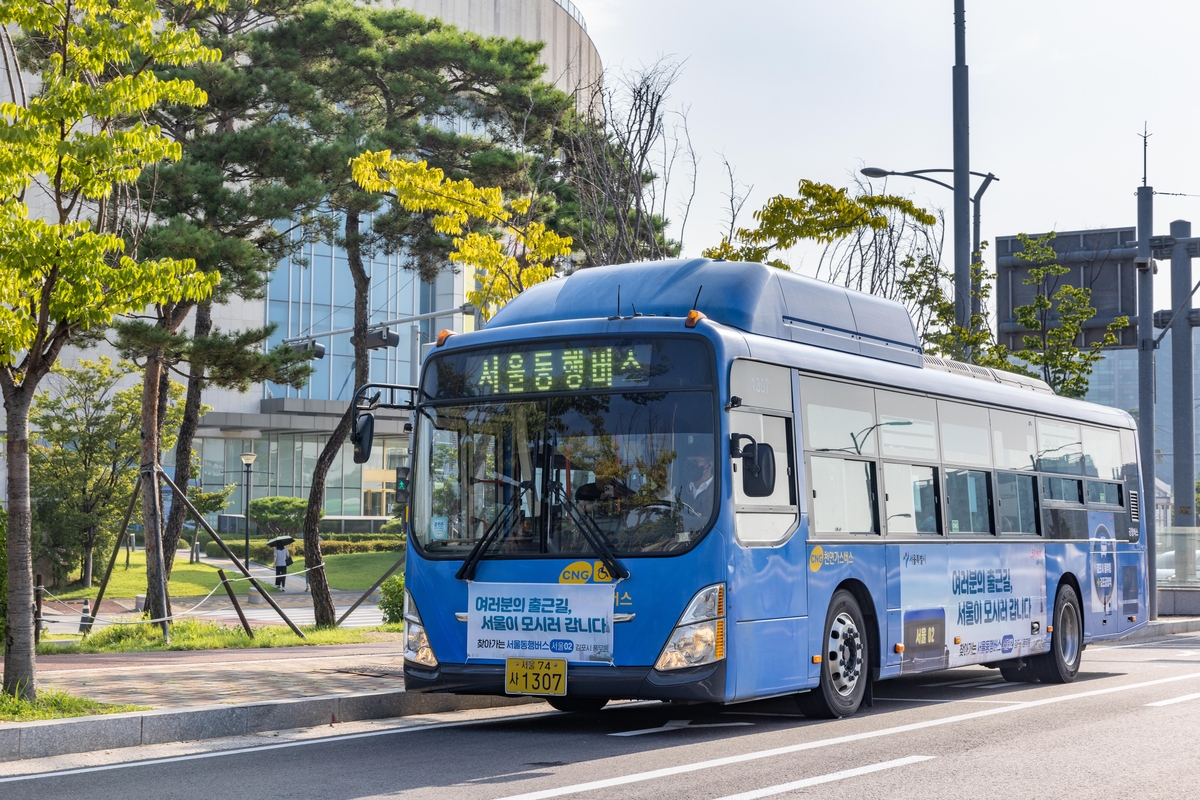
(704,684)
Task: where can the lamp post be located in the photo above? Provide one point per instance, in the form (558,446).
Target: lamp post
(248,463)
(976,254)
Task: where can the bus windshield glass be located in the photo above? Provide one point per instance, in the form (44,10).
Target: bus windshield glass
(538,473)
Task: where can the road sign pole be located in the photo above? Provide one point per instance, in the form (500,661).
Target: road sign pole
(962,173)
(1183,444)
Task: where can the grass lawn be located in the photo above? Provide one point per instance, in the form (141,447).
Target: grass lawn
(55,705)
(191,634)
(187,580)
(354,571)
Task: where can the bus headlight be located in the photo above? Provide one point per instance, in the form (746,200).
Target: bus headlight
(699,636)
(416,642)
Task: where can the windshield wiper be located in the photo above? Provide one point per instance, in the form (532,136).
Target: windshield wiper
(591,531)
(467,571)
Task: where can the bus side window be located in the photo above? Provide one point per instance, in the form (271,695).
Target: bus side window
(910,498)
(843,495)
(968,501)
(1017,503)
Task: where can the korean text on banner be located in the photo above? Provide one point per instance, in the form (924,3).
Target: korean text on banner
(568,621)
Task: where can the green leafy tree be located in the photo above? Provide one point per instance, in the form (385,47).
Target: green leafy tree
(84,457)
(1056,318)
(819,213)
(67,146)
(238,200)
(379,81)
(278,516)
(928,286)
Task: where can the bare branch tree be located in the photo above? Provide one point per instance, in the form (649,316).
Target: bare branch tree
(619,161)
(736,198)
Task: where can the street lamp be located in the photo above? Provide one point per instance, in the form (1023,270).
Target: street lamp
(248,463)
(976,254)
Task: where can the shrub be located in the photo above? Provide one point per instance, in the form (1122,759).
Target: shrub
(391,600)
(263,554)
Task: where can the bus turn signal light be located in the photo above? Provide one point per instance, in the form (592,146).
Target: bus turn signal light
(958,640)
(693,318)
(899,648)
(443,336)
(816,659)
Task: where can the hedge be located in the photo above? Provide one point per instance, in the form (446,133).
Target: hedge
(263,554)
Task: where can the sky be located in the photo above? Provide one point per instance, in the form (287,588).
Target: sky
(1059,91)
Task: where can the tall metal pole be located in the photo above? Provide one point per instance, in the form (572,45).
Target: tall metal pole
(1184,441)
(962,173)
(976,250)
(246,511)
(1145,332)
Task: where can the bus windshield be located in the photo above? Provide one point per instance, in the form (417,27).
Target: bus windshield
(635,468)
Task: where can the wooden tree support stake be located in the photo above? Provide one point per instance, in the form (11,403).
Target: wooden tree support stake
(236,605)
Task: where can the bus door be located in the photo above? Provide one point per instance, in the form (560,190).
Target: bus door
(768,595)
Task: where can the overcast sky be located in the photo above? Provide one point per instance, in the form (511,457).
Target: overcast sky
(791,89)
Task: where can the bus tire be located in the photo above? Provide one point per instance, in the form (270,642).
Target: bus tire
(845,662)
(577,705)
(1061,664)
(1023,674)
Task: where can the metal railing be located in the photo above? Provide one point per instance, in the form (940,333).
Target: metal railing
(570,8)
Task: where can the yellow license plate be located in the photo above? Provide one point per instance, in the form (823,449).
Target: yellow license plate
(546,676)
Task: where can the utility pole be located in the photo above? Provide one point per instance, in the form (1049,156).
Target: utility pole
(962,174)
(1183,421)
(1146,345)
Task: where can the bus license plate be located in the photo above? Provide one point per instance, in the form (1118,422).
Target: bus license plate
(545,676)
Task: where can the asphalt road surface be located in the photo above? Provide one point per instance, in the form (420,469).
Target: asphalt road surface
(1129,727)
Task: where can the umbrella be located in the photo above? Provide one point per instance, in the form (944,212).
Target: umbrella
(281,541)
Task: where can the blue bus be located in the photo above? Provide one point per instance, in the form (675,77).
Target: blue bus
(719,482)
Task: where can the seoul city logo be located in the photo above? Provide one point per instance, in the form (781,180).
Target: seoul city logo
(914,559)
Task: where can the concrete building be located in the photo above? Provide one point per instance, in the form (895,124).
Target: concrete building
(287,428)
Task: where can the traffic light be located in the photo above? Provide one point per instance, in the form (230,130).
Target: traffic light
(402,493)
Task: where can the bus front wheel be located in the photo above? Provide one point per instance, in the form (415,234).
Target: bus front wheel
(1061,664)
(845,663)
(577,705)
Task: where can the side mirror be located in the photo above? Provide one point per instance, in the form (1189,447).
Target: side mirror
(361,437)
(758,465)
(402,492)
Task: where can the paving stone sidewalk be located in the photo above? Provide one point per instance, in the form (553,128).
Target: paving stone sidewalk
(244,676)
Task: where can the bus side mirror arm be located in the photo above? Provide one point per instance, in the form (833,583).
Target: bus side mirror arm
(748,454)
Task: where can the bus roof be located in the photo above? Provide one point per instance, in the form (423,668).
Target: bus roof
(751,297)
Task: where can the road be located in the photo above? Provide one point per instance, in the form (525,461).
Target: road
(1128,727)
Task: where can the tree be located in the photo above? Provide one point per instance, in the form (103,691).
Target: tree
(619,157)
(278,516)
(380,79)
(819,213)
(234,201)
(84,458)
(70,144)
(1056,317)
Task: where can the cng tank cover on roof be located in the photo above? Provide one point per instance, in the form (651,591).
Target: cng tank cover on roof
(750,297)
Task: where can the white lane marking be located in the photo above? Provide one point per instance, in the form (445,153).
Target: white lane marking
(830,778)
(931,700)
(1175,700)
(681,769)
(679,725)
(259,748)
(763,714)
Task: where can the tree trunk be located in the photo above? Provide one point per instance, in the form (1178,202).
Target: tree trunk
(20,657)
(156,578)
(89,547)
(183,447)
(322,599)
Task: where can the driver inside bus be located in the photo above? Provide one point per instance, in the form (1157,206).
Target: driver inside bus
(698,491)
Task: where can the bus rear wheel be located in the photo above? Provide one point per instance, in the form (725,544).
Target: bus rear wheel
(845,663)
(577,705)
(1061,664)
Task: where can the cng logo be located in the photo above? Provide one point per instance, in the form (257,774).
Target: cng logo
(817,558)
(585,572)
(820,557)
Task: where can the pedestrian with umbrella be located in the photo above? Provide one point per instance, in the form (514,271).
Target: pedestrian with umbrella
(283,558)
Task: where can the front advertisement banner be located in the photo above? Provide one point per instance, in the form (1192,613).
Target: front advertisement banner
(518,620)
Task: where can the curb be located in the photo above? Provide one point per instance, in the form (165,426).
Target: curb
(113,731)
(1165,626)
